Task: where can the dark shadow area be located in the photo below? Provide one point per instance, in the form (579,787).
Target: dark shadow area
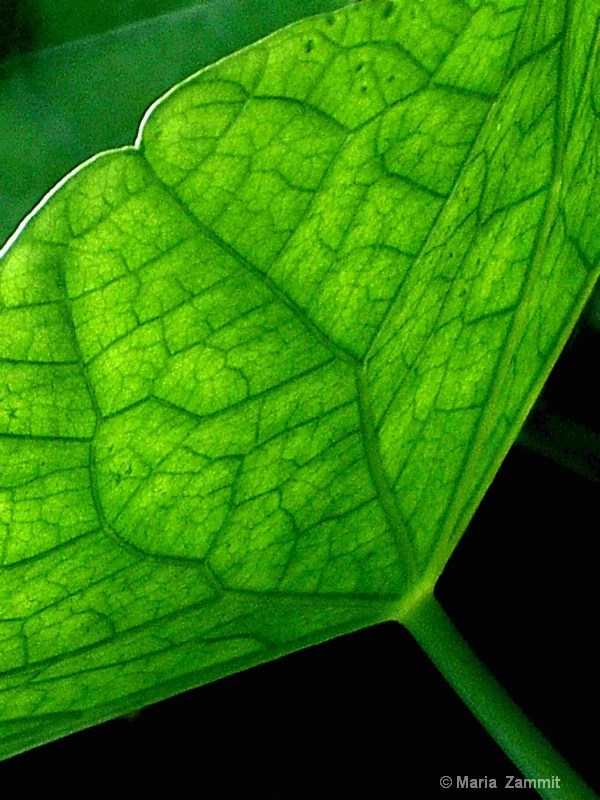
(16,34)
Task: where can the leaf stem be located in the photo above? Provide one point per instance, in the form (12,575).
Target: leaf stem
(502,718)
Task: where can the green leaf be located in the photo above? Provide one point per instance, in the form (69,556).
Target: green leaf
(257,372)
(71,101)
(52,22)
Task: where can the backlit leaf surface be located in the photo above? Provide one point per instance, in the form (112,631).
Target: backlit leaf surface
(257,372)
(64,103)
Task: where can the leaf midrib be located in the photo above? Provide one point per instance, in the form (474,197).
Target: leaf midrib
(458,512)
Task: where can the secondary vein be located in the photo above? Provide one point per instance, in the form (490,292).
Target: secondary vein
(459,505)
(385,493)
(339,351)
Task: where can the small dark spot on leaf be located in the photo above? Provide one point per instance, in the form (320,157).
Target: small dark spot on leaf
(309,45)
(330,20)
(391,78)
(363,88)
(359,67)
(388,10)
(132,717)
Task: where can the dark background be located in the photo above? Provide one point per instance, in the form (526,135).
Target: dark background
(521,587)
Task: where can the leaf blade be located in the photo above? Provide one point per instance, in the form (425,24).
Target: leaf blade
(212,306)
